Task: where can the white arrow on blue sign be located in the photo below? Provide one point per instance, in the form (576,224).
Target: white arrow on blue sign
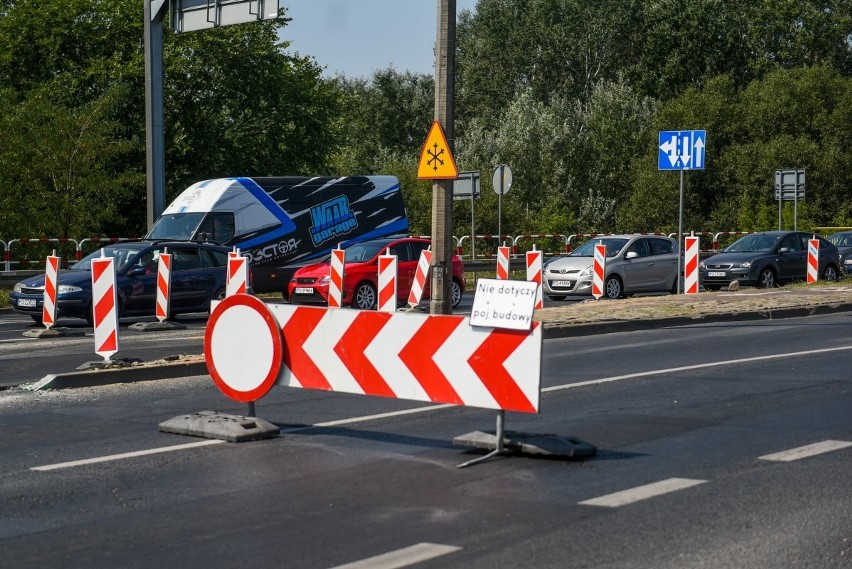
(681,150)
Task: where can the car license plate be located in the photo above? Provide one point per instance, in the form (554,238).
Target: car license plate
(567,284)
(304,290)
(27,302)
(716,274)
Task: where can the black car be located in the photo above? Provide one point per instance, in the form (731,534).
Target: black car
(766,259)
(198,276)
(843,241)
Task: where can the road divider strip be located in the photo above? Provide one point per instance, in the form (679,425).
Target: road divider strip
(402,557)
(639,493)
(806,451)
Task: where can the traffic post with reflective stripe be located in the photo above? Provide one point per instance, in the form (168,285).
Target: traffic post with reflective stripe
(534,265)
(690,265)
(104,306)
(237,274)
(335,278)
(420,276)
(503,263)
(51,278)
(598,271)
(813,260)
(164,284)
(387,283)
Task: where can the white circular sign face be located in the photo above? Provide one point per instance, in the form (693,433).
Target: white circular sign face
(501,179)
(243,348)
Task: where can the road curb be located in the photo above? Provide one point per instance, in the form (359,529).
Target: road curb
(99,377)
(565,330)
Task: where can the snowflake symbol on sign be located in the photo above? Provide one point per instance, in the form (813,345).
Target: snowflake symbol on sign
(435,157)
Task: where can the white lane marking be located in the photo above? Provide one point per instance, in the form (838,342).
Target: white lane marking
(693,367)
(353,420)
(806,451)
(642,492)
(125,455)
(402,557)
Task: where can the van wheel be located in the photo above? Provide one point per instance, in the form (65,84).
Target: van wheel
(364,297)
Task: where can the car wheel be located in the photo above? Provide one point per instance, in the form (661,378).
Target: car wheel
(456,292)
(37,318)
(613,288)
(830,273)
(364,297)
(766,279)
(90,315)
(218,295)
(557,296)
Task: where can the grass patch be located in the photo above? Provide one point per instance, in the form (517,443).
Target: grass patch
(4,298)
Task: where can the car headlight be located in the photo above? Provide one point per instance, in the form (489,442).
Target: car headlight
(701,265)
(325,279)
(587,271)
(19,287)
(68,289)
(743,265)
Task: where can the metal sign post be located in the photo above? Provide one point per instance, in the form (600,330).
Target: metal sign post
(789,186)
(501,180)
(681,150)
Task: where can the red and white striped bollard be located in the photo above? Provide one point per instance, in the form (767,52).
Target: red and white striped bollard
(164,285)
(105,306)
(237,274)
(598,271)
(335,278)
(387,283)
(503,263)
(51,278)
(534,264)
(813,260)
(420,276)
(690,265)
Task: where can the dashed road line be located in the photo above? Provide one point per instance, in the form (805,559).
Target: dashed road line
(638,493)
(125,455)
(806,451)
(402,557)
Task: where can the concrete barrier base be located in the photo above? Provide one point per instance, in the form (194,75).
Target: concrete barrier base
(555,446)
(214,425)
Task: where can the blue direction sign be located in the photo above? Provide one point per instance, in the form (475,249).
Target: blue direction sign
(681,150)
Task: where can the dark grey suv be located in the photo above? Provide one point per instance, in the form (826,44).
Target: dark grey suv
(766,259)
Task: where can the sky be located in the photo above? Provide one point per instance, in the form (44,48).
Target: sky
(357,37)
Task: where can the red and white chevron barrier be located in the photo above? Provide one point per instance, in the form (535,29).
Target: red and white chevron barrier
(420,276)
(690,265)
(51,277)
(164,284)
(598,271)
(335,278)
(404,355)
(813,260)
(503,263)
(105,307)
(534,265)
(237,274)
(387,283)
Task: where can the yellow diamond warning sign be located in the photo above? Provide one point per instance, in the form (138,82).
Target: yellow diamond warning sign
(436,160)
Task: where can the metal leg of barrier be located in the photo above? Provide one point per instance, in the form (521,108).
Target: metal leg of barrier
(501,432)
(251,410)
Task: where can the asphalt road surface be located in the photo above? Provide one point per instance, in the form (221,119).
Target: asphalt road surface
(719,446)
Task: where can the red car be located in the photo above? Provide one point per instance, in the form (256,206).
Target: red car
(361,274)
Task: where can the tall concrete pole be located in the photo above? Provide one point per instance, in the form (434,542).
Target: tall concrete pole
(442,190)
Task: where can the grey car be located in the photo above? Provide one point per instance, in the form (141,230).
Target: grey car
(843,241)
(634,263)
(767,259)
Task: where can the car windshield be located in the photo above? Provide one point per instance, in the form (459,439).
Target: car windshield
(361,252)
(176,226)
(122,254)
(841,239)
(587,249)
(753,244)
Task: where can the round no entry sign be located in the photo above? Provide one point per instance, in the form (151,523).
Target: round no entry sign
(243,347)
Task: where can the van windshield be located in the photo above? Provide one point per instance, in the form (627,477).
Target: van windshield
(175,226)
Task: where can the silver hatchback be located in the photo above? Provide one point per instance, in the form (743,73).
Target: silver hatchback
(634,263)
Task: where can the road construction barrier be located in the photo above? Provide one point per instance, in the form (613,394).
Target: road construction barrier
(502,263)
(164,285)
(420,276)
(690,265)
(51,278)
(488,251)
(46,242)
(237,276)
(813,260)
(104,307)
(387,283)
(716,236)
(549,238)
(534,267)
(250,346)
(335,277)
(598,271)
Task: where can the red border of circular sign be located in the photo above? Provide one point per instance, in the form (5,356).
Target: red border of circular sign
(277,348)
